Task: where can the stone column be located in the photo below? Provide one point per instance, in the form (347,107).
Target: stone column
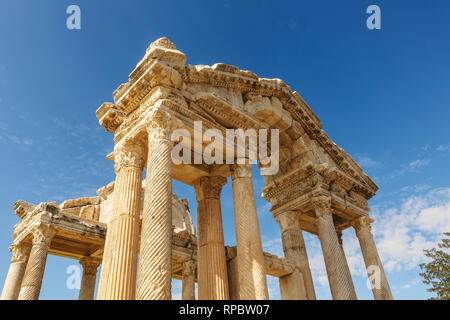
(20,255)
(188,280)
(250,257)
(32,280)
(294,248)
(337,271)
(377,277)
(341,244)
(212,263)
(121,250)
(155,260)
(87,288)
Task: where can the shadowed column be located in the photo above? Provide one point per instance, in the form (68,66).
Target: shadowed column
(20,255)
(338,275)
(188,280)
(32,280)
(375,271)
(212,264)
(250,257)
(295,250)
(121,266)
(87,288)
(155,260)
(341,244)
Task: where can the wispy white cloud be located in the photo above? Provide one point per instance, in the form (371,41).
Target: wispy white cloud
(443,148)
(365,161)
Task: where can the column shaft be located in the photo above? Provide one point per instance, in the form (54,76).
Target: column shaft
(119,269)
(341,244)
(32,280)
(155,261)
(294,248)
(212,264)
(375,270)
(16,271)
(250,257)
(338,275)
(188,280)
(87,288)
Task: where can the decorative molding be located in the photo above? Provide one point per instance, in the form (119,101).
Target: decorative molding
(241,170)
(42,235)
(90,265)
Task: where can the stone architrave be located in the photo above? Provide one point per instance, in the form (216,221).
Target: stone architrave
(20,255)
(380,285)
(250,258)
(212,264)
(32,280)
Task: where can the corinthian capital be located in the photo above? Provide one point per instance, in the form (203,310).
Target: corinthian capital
(288,220)
(189,268)
(90,265)
(322,206)
(42,235)
(159,124)
(362,225)
(20,252)
(241,170)
(209,187)
(131,153)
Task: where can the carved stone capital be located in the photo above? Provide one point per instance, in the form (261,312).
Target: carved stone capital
(129,154)
(209,187)
(159,125)
(322,207)
(189,268)
(42,235)
(288,220)
(20,252)
(90,265)
(241,170)
(362,225)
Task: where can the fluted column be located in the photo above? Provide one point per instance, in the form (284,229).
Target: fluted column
(32,280)
(87,288)
(341,244)
(295,250)
(121,265)
(212,263)
(20,255)
(378,280)
(337,271)
(155,260)
(188,280)
(250,257)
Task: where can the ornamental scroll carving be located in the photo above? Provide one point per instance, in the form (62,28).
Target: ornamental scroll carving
(209,187)
(130,154)
(20,252)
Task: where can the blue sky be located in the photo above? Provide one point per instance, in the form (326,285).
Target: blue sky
(382,95)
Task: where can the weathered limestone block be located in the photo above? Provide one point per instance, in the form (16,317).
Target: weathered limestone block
(188,280)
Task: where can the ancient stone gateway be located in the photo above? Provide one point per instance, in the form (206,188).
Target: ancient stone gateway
(316,187)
